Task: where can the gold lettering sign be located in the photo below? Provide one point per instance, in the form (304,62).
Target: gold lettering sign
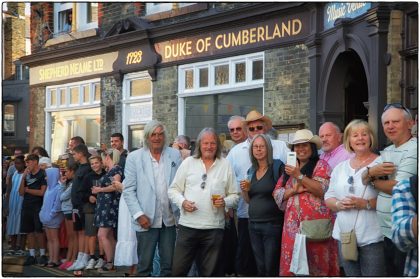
(75,68)
(269,32)
(134,57)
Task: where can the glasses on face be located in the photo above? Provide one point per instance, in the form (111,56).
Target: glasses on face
(203,184)
(258,128)
(237,129)
(350,181)
(258,147)
(396,105)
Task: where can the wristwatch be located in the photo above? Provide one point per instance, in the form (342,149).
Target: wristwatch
(300,177)
(368,207)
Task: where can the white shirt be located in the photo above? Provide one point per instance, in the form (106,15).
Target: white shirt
(367,226)
(407,167)
(187,186)
(163,212)
(241,162)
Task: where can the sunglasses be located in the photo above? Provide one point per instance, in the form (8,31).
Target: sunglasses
(258,128)
(350,181)
(203,184)
(237,129)
(397,106)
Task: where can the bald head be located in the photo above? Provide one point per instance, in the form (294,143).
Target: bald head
(330,135)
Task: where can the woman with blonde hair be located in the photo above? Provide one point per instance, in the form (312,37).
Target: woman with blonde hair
(107,203)
(355,203)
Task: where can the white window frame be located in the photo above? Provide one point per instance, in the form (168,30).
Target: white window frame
(211,89)
(154,8)
(81,13)
(67,106)
(129,100)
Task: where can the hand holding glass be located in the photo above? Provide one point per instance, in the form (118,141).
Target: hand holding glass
(217,196)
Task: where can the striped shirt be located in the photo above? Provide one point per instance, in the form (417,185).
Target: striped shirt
(403,212)
(407,167)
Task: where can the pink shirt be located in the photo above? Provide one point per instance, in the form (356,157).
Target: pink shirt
(336,156)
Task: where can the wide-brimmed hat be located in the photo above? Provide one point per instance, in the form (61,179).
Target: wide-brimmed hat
(254,115)
(305,135)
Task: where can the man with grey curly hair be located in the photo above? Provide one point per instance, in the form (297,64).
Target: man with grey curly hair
(148,173)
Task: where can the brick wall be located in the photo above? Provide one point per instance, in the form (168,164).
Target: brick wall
(110,13)
(286,95)
(37,116)
(42,24)
(165,100)
(111,108)
(14,37)
(394,45)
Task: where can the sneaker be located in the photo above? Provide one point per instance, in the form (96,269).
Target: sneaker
(71,267)
(100,263)
(108,267)
(91,264)
(80,265)
(43,260)
(30,260)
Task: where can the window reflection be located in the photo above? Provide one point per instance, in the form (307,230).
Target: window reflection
(221,74)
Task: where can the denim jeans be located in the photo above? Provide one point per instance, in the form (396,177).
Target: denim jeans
(394,259)
(244,260)
(266,242)
(371,261)
(147,241)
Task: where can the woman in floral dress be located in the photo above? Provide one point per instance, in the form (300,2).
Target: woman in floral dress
(303,186)
(107,203)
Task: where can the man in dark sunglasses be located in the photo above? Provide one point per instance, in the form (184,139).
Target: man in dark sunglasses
(255,124)
(397,123)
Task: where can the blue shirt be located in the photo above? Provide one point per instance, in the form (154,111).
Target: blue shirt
(403,212)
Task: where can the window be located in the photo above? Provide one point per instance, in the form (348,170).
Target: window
(86,16)
(137,107)
(72,110)
(246,70)
(9,120)
(153,8)
(210,92)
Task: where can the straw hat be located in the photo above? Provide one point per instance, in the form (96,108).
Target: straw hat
(303,136)
(254,115)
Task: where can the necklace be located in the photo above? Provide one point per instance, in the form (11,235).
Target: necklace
(361,165)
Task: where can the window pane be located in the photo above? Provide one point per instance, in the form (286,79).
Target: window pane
(215,110)
(189,79)
(9,120)
(135,137)
(86,94)
(204,77)
(62,96)
(221,74)
(240,70)
(140,87)
(65,21)
(74,95)
(97,90)
(257,69)
(92,12)
(53,94)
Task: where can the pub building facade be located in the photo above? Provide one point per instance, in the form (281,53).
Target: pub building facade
(193,65)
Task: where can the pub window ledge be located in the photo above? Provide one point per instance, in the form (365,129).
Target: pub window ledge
(180,11)
(67,37)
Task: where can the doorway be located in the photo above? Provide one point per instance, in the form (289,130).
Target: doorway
(347,90)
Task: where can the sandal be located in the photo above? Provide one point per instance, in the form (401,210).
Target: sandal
(51,264)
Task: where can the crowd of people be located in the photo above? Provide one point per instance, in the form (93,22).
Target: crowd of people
(222,209)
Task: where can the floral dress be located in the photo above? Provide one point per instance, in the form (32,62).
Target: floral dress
(322,256)
(106,213)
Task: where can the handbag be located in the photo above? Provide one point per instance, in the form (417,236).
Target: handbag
(299,263)
(314,230)
(348,241)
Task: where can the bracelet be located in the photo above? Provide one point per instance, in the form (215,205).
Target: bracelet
(372,183)
(371,178)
